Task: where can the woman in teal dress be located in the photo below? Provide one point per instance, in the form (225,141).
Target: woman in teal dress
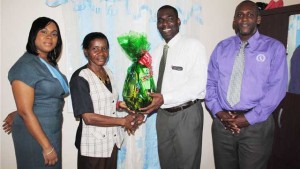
(39,90)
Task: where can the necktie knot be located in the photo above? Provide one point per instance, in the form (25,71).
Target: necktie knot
(166,47)
(243,44)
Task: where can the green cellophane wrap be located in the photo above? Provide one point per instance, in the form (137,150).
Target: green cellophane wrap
(139,80)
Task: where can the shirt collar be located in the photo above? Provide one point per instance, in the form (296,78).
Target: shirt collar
(251,41)
(174,40)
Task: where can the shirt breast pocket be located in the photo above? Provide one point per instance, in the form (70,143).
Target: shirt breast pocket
(259,66)
(176,72)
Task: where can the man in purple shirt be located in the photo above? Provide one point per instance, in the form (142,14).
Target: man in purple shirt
(243,132)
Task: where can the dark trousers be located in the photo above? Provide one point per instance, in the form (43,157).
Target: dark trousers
(84,162)
(179,137)
(286,148)
(250,149)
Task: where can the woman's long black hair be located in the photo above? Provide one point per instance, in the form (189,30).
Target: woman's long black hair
(37,25)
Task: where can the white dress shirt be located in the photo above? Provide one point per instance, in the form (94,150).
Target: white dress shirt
(185,72)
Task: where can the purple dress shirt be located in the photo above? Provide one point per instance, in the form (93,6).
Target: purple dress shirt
(264,81)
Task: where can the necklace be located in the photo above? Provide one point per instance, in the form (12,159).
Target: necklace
(102,75)
(105,81)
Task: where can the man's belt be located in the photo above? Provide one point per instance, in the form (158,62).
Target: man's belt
(239,111)
(181,107)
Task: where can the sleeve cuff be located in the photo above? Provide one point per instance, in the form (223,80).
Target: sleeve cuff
(250,117)
(118,105)
(145,119)
(215,109)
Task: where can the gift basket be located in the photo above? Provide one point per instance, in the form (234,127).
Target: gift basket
(139,79)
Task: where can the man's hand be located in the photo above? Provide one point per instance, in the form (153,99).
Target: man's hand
(157,101)
(225,118)
(240,121)
(135,123)
(232,121)
(139,118)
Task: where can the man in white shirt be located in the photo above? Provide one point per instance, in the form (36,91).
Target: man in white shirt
(178,99)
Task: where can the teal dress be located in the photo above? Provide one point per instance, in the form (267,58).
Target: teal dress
(48,106)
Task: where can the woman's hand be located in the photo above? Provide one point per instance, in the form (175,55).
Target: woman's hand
(132,124)
(50,156)
(129,124)
(123,106)
(8,121)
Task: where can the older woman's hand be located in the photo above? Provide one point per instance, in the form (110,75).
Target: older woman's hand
(122,106)
(129,124)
